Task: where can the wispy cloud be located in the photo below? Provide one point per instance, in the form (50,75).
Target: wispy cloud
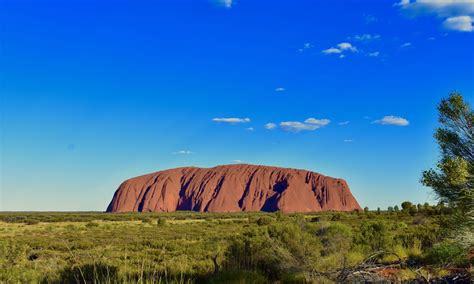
(332,50)
(365,37)
(370,19)
(231,119)
(406,44)
(457,15)
(308,124)
(392,120)
(225,3)
(341,48)
(319,122)
(344,123)
(306,46)
(348,140)
(250,129)
(270,126)
(280,89)
(237,161)
(374,54)
(183,152)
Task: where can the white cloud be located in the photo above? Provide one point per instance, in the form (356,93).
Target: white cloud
(342,56)
(366,37)
(231,120)
(392,120)
(344,123)
(270,126)
(457,14)
(237,161)
(347,46)
(406,44)
(319,122)
(441,8)
(459,23)
(332,50)
(341,48)
(308,124)
(250,129)
(348,140)
(296,126)
(280,89)
(374,54)
(182,152)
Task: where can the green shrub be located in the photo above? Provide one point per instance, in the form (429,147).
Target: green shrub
(92,224)
(337,238)
(265,220)
(32,222)
(238,277)
(375,235)
(147,220)
(161,221)
(283,248)
(446,253)
(89,273)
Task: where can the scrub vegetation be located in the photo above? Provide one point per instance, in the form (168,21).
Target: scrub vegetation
(188,247)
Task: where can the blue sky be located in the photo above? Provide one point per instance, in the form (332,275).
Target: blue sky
(94,93)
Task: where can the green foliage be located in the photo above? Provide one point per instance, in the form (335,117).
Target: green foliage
(374,235)
(406,205)
(265,220)
(32,221)
(89,273)
(337,238)
(453,179)
(161,221)
(92,224)
(189,247)
(447,253)
(238,277)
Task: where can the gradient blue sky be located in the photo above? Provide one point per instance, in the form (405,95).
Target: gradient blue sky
(94,92)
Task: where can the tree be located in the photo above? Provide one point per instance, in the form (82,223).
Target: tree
(419,207)
(390,209)
(396,209)
(453,179)
(378,210)
(366,209)
(406,205)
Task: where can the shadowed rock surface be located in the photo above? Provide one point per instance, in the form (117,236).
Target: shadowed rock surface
(233,188)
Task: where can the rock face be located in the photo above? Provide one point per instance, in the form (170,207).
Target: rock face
(233,188)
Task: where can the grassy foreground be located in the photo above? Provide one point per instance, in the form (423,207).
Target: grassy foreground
(186,247)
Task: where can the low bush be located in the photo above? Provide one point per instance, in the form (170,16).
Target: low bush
(265,220)
(446,253)
(238,277)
